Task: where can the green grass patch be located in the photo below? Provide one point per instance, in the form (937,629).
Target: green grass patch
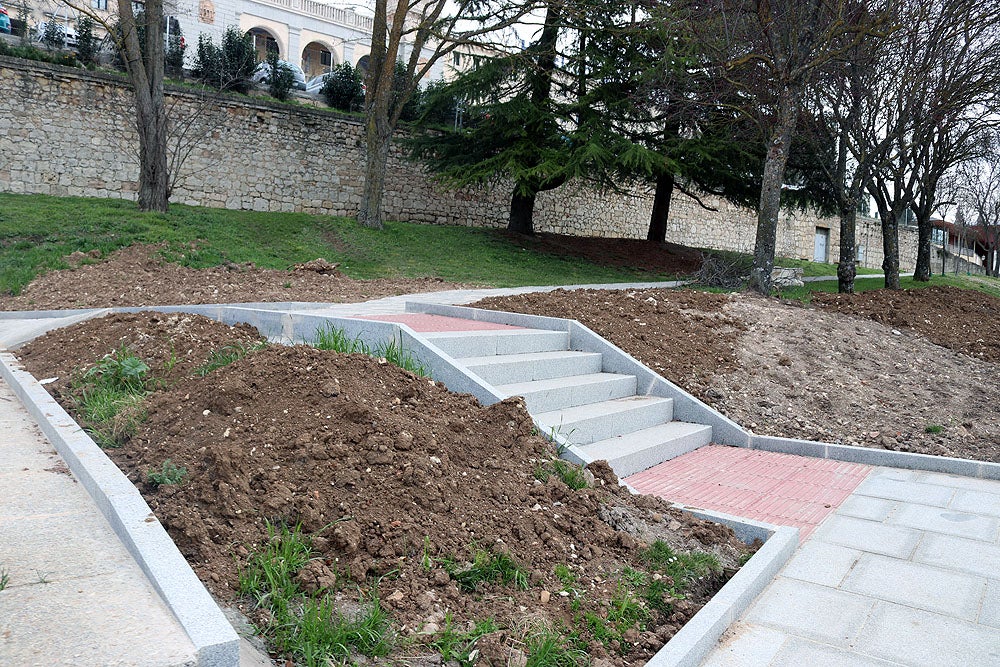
(460,647)
(547,648)
(572,475)
(330,337)
(227,355)
(983,284)
(486,567)
(109,396)
(934,428)
(309,629)
(37,231)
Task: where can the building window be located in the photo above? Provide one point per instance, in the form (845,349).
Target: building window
(99,4)
(325,58)
(456,58)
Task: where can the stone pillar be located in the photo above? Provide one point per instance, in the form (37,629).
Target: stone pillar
(294,55)
(348,53)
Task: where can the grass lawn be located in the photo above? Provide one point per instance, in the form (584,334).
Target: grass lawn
(990,286)
(36,231)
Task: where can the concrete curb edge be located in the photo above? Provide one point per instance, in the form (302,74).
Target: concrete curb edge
(214,639)
(878,457)
(692,644)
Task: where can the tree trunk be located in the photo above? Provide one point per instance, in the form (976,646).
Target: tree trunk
(661,208)
(847,269)
(890,250)
(144,64)
(522,209)
(378,142)
(153,171)
(923,270)
(770,192)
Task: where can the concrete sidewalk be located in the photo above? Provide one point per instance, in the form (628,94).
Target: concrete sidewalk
(73,595)
(905,572)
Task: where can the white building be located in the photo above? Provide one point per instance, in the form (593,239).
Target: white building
(314,35)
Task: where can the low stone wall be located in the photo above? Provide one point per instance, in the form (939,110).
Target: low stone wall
(66,132)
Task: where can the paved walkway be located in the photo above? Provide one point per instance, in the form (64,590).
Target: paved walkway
(73,595)
(765,486)
(905,571)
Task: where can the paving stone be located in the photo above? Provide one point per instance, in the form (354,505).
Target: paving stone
(913,492)
(977,502)
(52,556)
(104,620)
(947,521)
(811,611)
(798,652)
(922,638)
(917,585)
(870,536)
(898,474)
(990,613)
(960,482)
(745,644)
(866,507)
(957,553)
(821,563)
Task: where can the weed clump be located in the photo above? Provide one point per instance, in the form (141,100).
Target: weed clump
(110,396)
(308,628)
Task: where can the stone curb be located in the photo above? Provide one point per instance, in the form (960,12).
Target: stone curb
(877,457)
(692,644)
(214,639)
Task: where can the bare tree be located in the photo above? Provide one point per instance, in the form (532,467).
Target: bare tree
(429,29)
(979,190)
(960,104)
(847,101)
(774,50)
(143,57)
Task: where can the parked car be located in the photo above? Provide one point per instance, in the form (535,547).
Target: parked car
(4,21)
(316,83)
(263,71)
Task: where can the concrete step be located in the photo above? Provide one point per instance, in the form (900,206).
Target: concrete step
(634,452)
(565,392)
(462,344)
(512,368)
(584,424)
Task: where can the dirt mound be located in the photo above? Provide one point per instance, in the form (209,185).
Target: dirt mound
(140,276)
(781,369)
(396,477)
(682,334)
(962,320)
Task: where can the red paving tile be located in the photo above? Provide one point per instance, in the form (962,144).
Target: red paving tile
(776,488)
(428,323)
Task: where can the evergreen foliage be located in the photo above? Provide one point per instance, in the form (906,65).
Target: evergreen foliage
(280,77)
(343,90)
(87,44)
(229,66)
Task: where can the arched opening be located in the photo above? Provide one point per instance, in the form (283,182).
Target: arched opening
(363,64)
(317,58)
(264,43)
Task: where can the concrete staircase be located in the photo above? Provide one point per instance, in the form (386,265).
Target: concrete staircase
(567,392)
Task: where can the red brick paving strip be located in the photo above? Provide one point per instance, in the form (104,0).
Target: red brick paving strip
(428,323)
(775,488)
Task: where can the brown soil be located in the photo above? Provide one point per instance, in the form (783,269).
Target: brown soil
(666,258)
(961,320)
(383,466)
(781,369)
(140,276)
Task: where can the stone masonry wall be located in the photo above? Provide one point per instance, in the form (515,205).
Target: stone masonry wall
(70,132)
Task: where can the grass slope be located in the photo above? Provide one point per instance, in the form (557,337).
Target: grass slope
(36,231)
